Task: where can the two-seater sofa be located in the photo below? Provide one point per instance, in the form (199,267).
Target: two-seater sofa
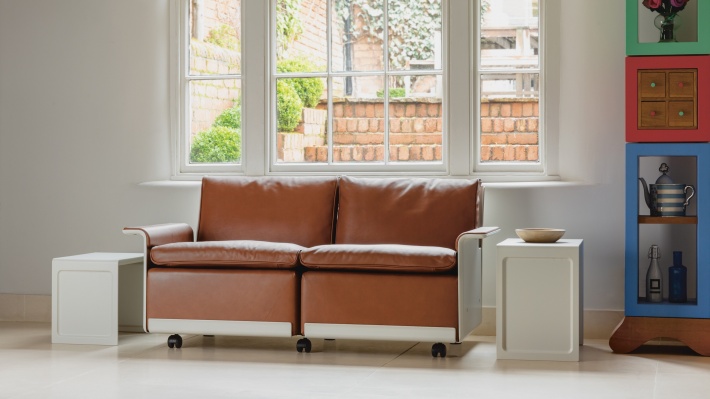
(321,257)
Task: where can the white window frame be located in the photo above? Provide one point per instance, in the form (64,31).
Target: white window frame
(461,123)
(180,97)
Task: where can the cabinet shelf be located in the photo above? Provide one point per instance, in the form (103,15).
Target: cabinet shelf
(689,302)
(644,219)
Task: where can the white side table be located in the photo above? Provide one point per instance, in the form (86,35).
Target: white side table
(539,300)
(94,295)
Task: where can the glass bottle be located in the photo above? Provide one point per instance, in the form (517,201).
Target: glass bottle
(654,278)
(677,279)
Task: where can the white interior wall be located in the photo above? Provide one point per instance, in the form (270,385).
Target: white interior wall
(84,118)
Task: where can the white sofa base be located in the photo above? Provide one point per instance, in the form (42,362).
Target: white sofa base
(220,327)
(376,332)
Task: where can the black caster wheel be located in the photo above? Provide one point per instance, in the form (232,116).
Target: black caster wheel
(438,349)
(174,341)
(303,344)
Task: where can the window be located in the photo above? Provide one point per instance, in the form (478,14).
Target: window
(211,86)
(509,76)
(368,93)
(435,87)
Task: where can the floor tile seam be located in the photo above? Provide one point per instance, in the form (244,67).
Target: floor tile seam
(353,387)
(655,380)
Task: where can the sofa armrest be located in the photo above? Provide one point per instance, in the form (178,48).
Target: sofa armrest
(160,234)
(470,278)
(476,234)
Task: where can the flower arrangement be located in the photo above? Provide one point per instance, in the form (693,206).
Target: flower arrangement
(667,8)
(667,11)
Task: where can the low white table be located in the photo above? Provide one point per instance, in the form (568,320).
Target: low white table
(94,295)
(539,300)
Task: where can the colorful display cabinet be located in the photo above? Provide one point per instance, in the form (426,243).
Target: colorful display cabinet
(688,321)
(692,33)
(667,99)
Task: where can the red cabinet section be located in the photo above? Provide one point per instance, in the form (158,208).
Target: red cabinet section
(668,99)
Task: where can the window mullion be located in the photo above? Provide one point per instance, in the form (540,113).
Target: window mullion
(329,80)
(386,89)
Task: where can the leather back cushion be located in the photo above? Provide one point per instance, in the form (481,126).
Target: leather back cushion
(429,212)
(278,209)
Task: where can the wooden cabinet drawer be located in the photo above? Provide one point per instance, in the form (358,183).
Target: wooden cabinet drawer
(658,88)
(652,114)
(652,84)
(681,114)
(681,84)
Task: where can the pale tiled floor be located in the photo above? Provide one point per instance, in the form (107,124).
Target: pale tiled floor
(142,366)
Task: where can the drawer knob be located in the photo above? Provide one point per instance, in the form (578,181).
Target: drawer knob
(653,113)
(681,113)
(680,84)
(653,84)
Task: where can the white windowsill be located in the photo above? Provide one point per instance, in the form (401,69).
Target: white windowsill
(488,185)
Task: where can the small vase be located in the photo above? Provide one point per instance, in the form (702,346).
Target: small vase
(667,24)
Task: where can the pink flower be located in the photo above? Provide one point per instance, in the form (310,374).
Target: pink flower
(678,3)
(652,4)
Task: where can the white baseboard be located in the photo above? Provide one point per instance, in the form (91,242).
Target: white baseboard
(598,324)
(19,307)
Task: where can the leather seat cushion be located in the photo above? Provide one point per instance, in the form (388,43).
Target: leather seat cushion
(379,257)
(241,253)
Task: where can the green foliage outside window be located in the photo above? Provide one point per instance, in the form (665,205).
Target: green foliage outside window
(222,142)
(308,89)
(288,24)
(410,25)
(230,117)
(219,144)
(288,106)
(395,92)
(224,36)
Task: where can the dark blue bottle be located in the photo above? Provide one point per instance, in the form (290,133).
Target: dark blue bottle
(677,279)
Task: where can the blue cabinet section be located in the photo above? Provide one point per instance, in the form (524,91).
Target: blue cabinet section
(695,225)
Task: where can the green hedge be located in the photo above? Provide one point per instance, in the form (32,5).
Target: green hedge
(309,89)
(288,106)
(219,144)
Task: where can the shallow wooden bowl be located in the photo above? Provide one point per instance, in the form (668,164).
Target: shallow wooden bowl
(540,235)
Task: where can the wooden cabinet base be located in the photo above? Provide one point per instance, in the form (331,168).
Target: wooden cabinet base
(633,332)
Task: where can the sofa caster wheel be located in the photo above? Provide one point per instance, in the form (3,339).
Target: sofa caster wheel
(303,344)
(438,349)
(174,341)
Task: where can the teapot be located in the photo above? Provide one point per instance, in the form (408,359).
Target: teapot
(666,198)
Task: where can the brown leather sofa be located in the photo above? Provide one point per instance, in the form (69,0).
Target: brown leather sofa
(327,257)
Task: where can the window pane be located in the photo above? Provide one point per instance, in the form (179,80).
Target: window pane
(357,35)
(301,35)
(510,81)
(510,117)
(415,118)
(414,34)
(301,119)
(359,120)
(509,34)
(215,37)
(215,121)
